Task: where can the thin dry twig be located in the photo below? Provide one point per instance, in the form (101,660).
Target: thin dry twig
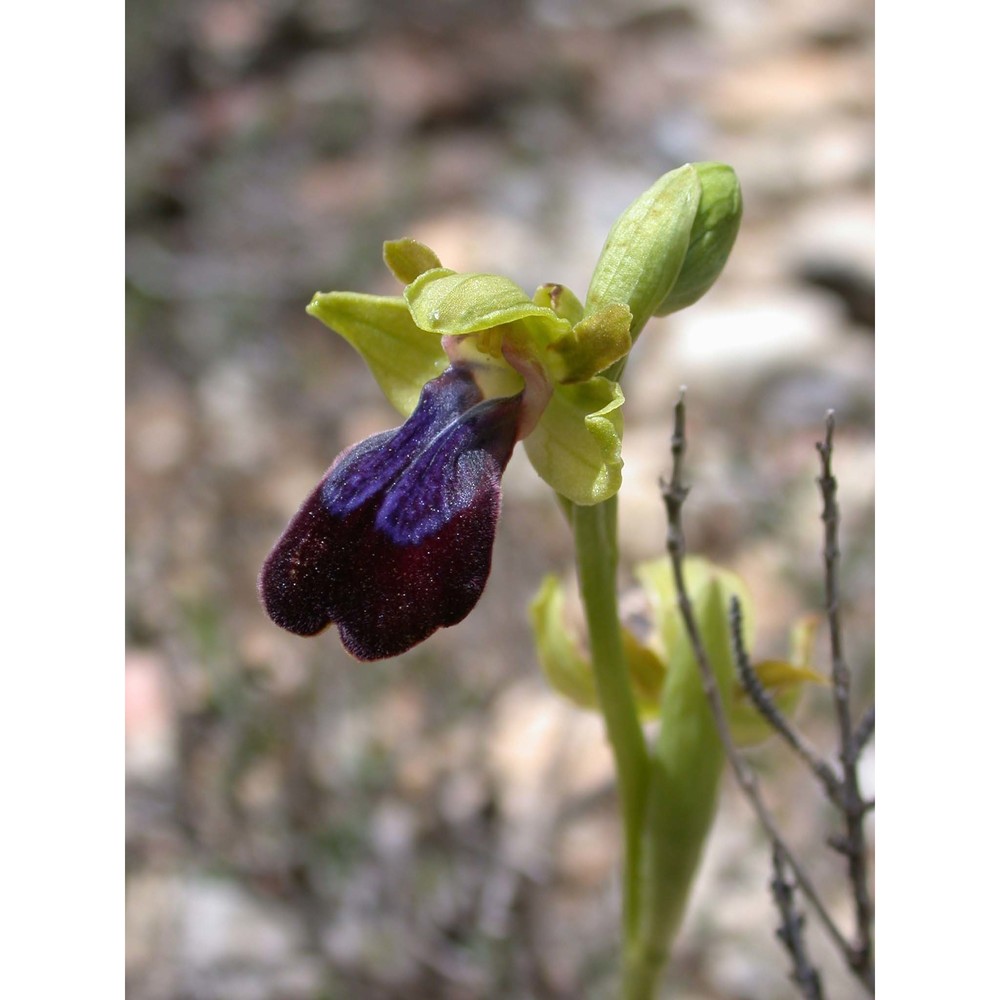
(766,706)
(804,973)
(674,494)
(854,807)
(865,730)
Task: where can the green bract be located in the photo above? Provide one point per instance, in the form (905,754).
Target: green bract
(686,766)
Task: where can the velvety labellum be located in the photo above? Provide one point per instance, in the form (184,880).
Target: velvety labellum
(397,540)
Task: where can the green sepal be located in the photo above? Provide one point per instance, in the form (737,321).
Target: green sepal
(576,447)
(644,252)
(408,259)
(444,302)
(567,669)
(401,356)
(713,234)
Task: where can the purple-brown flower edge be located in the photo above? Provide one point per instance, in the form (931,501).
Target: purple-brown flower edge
(397,539)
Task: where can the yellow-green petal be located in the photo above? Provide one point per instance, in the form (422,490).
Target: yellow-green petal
(408,259)
(576,447)
(594,344)
(401,356)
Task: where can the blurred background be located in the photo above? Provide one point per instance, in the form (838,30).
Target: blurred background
(300,825)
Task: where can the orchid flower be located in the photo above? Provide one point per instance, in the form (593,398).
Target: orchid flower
(396,540)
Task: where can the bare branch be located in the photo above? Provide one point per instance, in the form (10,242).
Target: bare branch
(675,492)
(766,706)
(804,973)
(865,730)
(840,675)
(853,807)
(674,495)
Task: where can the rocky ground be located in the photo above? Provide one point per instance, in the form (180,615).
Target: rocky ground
(302,826)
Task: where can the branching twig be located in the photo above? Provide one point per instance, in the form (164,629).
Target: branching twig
(766,706)
(804,973)
(674,494)
(843,790)
(865,730)
(861,956)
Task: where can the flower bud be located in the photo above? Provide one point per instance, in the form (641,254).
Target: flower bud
(670,244)
(712,236)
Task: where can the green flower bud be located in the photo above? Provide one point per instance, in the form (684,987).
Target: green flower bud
(712,236)
(670,244)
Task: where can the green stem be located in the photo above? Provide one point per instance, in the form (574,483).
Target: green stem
(595,531)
